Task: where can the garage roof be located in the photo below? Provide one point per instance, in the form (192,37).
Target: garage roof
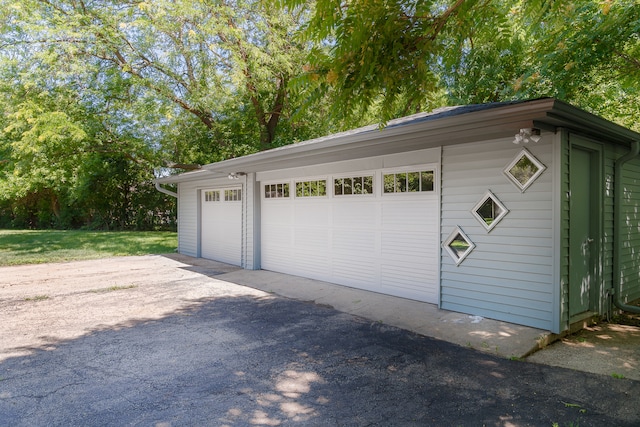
(443,126)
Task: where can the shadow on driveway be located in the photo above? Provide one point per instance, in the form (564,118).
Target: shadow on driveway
(267,361)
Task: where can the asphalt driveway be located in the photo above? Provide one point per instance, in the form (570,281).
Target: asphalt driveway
(151,341)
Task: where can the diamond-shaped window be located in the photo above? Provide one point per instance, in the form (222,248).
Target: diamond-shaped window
(489,211)
(524,170)
(458,245)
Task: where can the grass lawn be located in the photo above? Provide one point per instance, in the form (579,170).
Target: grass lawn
(40,246)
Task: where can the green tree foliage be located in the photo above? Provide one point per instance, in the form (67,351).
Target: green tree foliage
(573,40)
(95,95)
(203,58)
(380,53)
(68,163)
(483,56)
(98,94)
(586,52)
(390,57)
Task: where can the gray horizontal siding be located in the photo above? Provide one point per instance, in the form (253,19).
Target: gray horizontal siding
(504,283)
(187,218)
(508,313)
(509,275)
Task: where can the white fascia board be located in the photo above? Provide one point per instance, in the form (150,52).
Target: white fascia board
(189,176)
(440,128)
(369,141)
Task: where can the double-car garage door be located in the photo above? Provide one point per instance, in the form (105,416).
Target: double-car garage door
(375,230)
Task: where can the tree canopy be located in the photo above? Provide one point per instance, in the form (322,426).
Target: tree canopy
(141,84)
(395,56)
(98,97)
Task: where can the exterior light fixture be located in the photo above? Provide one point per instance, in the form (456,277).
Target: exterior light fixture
(236,175)
(527,135)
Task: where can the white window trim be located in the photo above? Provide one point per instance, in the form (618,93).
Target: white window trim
(213,199)
(371,173)
(264,184)
(534,177)
(429,167)
(221,189)
(496,220)
(223,195)
(454,256)
(293,189)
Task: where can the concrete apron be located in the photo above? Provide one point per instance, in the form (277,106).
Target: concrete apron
(491,336)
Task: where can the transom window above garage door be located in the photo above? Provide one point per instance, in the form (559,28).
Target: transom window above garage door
(212,196)
(233,195)
(408,182)
(276,191)
(353,185)
(313,188)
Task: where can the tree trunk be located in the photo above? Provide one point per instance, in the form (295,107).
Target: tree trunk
(55,204)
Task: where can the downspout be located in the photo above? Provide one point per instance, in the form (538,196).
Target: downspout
(165,191)
(617,224)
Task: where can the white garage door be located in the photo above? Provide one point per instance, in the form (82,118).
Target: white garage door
(221,225)
(375,230)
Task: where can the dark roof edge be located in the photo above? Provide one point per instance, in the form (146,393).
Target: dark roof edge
(582,119)
(436,119)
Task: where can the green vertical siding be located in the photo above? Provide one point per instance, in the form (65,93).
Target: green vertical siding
(564,231)
(611,153)
(630,233)
(605,267)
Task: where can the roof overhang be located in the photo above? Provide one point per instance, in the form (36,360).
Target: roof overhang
(444,127)
(196,175)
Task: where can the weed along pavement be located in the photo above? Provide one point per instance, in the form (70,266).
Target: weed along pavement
(156,341)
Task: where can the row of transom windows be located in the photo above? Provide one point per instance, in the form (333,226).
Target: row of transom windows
(229,195)
(415,181)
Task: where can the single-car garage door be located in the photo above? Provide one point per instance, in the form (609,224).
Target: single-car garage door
(221,225)
(376,230)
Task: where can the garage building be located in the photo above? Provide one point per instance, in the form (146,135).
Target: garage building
(526,212)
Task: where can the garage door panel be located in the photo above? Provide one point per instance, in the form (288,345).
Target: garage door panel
(407,277)
(419,216)
(278,213)
(314,267)
(277,260)
(363,275)
(315,214)
(311,256)
(407,244)
(422,294)
(362,215)
(280,240)
(405,284)
(406,272)
(277,246)
(359,242)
